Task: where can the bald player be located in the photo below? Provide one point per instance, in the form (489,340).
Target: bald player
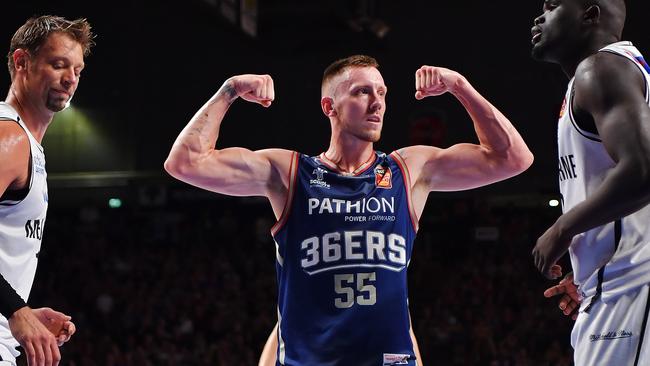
(604,173)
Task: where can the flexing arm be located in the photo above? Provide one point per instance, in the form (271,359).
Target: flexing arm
(233,171)
(610,90)
(500,154)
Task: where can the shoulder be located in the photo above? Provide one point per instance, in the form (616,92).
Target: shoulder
(12,137)
(14,147)
(417,153)
(604,72)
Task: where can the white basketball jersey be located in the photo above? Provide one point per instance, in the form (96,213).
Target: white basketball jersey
(612,259)
(21,225)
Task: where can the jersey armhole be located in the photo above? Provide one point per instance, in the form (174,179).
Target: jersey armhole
(14,197)
(293,174)
(407,186)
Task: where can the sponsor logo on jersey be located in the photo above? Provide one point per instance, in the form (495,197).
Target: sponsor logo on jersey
(395,359)
(372,205)
(610,336)
(39,164)
(383,177)
(319,181)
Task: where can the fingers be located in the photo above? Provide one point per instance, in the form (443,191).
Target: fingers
(254,88)
(55,354)
(555,290)
(30,353)
(569,306)
(429,82)
(56,315)
(66,333)
(570,301)
(40,355)
(47,352)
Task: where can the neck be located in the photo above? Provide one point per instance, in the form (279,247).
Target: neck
(34,117)
(349,154)
(571,62)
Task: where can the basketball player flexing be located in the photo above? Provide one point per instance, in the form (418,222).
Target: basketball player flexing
(347,218)
(604,173)
(46,56)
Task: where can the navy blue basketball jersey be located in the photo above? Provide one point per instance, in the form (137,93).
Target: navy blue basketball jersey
(344,242)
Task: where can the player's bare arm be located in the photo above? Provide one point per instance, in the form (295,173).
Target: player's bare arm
(14,157)
(500,154)
(233,171)
(609,90)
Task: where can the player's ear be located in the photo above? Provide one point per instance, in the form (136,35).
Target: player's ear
(20,57)
(327,105)
(591,15)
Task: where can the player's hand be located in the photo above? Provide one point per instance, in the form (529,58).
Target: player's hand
(57,323)
(570,300)
(253,88)
(550,247)
(432,81)
(39,343)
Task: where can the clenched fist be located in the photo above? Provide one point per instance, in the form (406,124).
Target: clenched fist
(432,81)
(253,88)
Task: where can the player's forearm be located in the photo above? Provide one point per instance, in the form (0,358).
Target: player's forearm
(623,192)
(494,130)
(10,301)
(200,135)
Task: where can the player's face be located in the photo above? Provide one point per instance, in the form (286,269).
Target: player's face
(360,103)
(53,73)
(557,29)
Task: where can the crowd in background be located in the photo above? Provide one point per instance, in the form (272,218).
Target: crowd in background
(194,284)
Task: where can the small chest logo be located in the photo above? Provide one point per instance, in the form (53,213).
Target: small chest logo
(383,177)
(39,164)
(320,178)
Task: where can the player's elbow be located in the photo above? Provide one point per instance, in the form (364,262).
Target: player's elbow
(177,166)
(514,162)
(523,160)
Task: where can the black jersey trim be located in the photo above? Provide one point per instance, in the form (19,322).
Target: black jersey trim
(618,233)
(572,118)
(644,324)
(15,197)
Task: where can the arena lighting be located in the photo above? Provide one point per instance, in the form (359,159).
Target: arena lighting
(114,203)
(553,203)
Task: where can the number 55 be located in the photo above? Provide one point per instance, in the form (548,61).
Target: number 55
(344,285)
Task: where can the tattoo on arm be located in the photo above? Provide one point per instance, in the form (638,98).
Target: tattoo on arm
(230,92)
